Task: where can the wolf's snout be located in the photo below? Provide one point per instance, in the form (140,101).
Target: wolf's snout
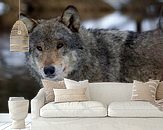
(49,70)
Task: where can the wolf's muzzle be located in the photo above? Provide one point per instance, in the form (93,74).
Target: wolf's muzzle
(49,71)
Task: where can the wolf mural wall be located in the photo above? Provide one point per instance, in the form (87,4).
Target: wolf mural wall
(60,47)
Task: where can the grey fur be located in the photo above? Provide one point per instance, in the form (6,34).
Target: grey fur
(100,55)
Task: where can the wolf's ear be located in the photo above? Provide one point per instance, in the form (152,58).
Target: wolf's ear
(71,18)
(30,23)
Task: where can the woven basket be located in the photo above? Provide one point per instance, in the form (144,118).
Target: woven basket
(19,39)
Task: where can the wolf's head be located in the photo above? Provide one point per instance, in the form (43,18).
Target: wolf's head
(55,44)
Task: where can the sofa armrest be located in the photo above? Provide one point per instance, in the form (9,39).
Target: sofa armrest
(36,103)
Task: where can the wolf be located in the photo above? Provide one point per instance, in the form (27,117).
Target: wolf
(61,48)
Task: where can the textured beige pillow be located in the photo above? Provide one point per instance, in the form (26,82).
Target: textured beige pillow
(144,91)
(48,88)
(72,84)
(70,95)
(159,93)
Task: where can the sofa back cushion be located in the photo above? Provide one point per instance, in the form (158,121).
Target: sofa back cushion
(107,92)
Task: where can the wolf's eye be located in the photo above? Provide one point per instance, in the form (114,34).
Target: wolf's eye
(39,48)
(60,45)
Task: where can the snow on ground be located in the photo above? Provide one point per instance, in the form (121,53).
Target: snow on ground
(11,58)
(149,24)
(119,21)
(114,20)
(3,8)
(117,4)
(14,58)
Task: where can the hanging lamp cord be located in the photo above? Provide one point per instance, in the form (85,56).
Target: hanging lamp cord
(19,9)
(19,32)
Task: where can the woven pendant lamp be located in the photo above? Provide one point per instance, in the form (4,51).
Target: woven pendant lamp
(19,38)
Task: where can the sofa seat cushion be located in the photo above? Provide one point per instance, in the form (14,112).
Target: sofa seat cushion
(74,109)
(133,109)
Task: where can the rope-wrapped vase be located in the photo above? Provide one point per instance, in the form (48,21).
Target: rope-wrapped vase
(19,39)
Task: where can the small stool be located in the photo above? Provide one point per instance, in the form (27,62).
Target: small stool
(18,110)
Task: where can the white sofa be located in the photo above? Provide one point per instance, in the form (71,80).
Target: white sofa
(115,111)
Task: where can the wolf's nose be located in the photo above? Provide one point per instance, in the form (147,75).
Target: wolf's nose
(49,70)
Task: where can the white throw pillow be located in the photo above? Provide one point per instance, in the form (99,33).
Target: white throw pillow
(71,84)
(70,95)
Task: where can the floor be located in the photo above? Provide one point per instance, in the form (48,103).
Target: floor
(5,122)
(7,126)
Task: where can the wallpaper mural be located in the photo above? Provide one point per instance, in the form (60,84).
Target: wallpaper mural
(124,42)
(61,48)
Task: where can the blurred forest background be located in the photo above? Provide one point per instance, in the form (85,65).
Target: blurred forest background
(15,80)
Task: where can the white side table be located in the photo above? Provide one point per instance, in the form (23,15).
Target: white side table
(18,110)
